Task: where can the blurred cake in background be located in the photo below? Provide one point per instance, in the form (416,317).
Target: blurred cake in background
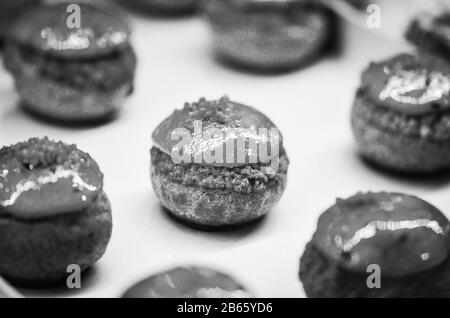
(270,36)
(431,33)
(71,74)
(401,114)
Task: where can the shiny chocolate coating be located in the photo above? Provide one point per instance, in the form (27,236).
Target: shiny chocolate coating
(53,28)
(402,234)
(41,178)
(409,84)
(188,282)
(234,121)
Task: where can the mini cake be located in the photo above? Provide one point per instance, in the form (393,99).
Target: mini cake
(270,35)
(401,115)
(70,72)
(431,33)
(239,185)
(9,10)
(53,211)
(165,7)
(402,239)
(188,282)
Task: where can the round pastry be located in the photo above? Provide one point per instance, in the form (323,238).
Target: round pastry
(270,35)
(9,10)
(210,166)
(166,7)
(401,240)
(188,282)
(431,33)
(401,115)
(68,69)
(53,211)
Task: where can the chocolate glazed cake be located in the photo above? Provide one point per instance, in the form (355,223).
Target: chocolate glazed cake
(217,194)
(71,74)
(404,237)
(401,114)
(53,212)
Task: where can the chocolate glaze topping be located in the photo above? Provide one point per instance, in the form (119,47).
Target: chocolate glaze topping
(409,84)
(41,178)
(231,121)
(51,28)
(402,234)
(188,282)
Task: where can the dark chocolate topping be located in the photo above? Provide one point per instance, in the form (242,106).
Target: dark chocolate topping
(402,234)
(40,178)
(231,122)
(191,282)
(410,84)
(53,28)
